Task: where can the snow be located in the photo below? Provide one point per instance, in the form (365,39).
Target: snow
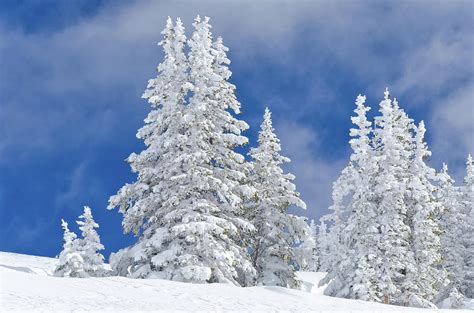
(27,284)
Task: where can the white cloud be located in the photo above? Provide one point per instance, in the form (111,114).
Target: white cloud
(437,66)
(77,182)
(314,174)
(452,126)
(418,47)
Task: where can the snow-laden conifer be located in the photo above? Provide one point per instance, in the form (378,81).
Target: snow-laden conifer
(451,218)
(394,144)
(467,237)
(277,230)
(90,245)
(428,277)
(456,299)
(70,263)
(323,248)
(385,223)
(189,190)
(344,188)
(332,225)
(384,218)
(307,252)
(353,269)
(359,266)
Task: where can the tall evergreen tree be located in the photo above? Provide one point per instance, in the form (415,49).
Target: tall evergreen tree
(348,186)
(277,230)
(393,142)
(190,185)
(361,229)
(352,274)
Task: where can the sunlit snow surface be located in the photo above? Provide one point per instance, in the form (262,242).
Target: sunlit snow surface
(27,285)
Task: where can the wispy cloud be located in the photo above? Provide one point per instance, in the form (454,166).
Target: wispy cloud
(80,85)
(314,174)
(452,126)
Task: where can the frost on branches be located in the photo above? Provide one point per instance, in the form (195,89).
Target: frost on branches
(186,202)
(277,230)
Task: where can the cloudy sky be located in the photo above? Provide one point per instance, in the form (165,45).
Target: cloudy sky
(72,73)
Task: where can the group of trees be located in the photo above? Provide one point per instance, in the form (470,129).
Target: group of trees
(202,212)
(399,232)
(80,257)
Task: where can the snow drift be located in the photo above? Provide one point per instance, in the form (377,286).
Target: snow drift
(27,284)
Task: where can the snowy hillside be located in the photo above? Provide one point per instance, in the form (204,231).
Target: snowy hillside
(27,285)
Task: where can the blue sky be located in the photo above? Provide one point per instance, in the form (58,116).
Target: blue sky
(72,73)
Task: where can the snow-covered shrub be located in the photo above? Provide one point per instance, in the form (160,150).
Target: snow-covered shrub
(89,245)
(70,263)
(80,257)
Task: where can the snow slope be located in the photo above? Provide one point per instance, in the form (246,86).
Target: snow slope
(26,284)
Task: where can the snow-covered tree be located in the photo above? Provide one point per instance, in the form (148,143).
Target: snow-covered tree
(277,230)
(187,200)
(90,245)
(70,263)
(332,225)
(384,235)
(307,251)
(451,219)
(428,277)
(358,267)
(348,186)
(323,248)
(456,299)
(351,268)
(467,236)
(394,148)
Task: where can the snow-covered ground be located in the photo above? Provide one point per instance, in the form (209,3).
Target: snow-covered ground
(26,284)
